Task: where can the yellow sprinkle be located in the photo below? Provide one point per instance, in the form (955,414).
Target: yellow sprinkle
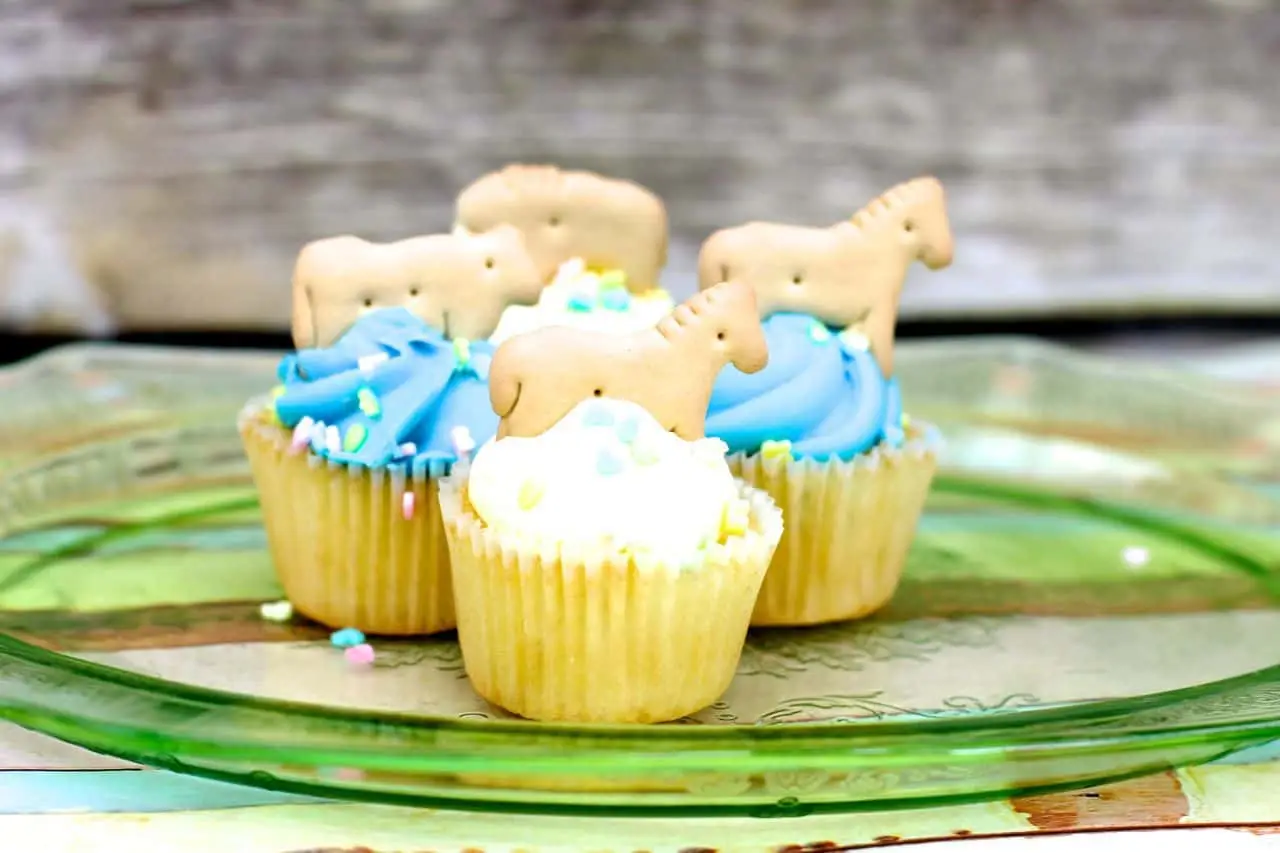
(530,493)
(277,392)
(736,518)
(643,452)
(613,278)
(775,449)
(906,421)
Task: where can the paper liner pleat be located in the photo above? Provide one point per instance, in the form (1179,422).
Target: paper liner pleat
(342,548)
(849,526)
(553,634)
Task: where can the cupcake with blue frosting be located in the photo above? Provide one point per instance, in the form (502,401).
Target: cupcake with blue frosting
(821,429)
(600,244)
(387,391)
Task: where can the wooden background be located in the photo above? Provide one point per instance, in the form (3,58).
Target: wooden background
(161,160)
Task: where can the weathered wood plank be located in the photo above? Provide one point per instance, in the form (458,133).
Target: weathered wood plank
(161,160)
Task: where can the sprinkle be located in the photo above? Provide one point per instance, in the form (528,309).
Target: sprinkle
(613,280)
(277,392)
(480,365)
(531,491)
(736,518)
(463,443)
(407,449)
(367,363)
(461,352)
(579,302)
(906,421)
(608,463)
(597,415)
(276,611)
(406,505)
(355,438)
(615,299)
(644,453)
(361,654)
(317,436)
(626,431)
(775,449)
(301,435)
(369,403)
(855,340)
(332,439)
(819,333)
(346,638)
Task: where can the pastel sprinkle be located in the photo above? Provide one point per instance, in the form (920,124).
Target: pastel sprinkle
(407,449)
(277,392)
(818,333)
(462,352)
(597,416)
(355,438)
(615,299)
(463,442)
(579,302)
(608,463)
(332,439)
(276,611)
(775,449)
(530,493)
(407,504)
(361,654)
(367,363)
(613,280)
(626,431)
(855,340)
(906,421)
(346,638)
(318,436)
(301,434)
(368,402)
(644,453)
(736,519)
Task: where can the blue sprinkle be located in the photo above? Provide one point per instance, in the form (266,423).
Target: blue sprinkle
(894,436)
(615,299)
(627,430)
(346,638)
(597,416)
(579,302)
(608,463)
(480,365)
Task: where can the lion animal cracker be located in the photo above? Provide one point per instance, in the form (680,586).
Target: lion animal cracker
(459,283)
(537,378)
(850,274)
(605,222)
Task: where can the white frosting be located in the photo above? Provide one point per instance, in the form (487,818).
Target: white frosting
(609,476)
(583,299)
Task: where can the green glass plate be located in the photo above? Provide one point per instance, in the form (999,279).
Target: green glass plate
(1092,595)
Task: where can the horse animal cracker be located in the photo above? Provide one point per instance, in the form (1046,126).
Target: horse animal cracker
(848,274)
(537,378)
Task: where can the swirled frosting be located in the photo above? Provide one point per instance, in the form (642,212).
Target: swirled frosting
(391,390)
(607,475)
(821,396)
(585,299)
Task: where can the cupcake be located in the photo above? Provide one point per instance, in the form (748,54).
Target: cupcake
(821,428)
(388,387)
(600,244)
(605,560)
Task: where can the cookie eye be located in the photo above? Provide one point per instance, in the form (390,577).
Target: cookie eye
(797,279)
(908,226)
(553,221)
(413,291)
(599,392)
(720,335)
(488,263)
(368,302)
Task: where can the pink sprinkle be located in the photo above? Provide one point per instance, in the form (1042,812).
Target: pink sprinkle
(463,443)
(406,506)
(301,435)
(361,654)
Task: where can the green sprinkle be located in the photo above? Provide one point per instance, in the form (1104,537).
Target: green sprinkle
(355,438)
(580,303)
(369,403)
(462,351)
(277,392)
(613,280)
(819,333)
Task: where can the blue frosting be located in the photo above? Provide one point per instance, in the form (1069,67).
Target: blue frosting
(826,397)
(424,387)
